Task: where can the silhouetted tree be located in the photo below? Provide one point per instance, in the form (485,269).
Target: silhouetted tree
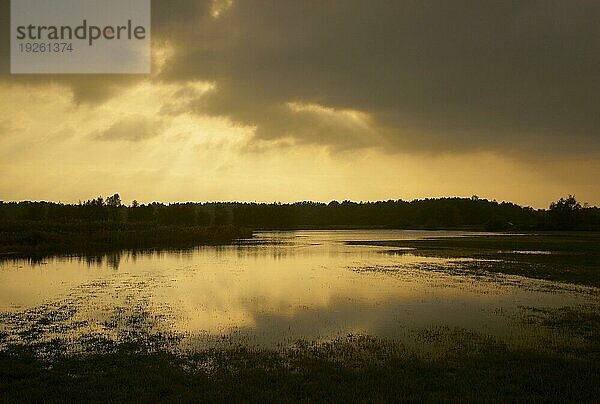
(113,201)
(564,213)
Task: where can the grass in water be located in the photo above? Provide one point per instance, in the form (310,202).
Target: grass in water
(460,365)
(572,257)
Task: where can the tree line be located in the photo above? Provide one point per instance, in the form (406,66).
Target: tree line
(440,213)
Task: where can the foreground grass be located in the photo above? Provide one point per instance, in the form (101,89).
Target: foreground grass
(572,257)
(32,239)
(457,365)
(350,370)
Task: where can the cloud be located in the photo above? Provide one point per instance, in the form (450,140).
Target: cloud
(170,18)
(130,129)
(432,75)
(424,76)
(5,127)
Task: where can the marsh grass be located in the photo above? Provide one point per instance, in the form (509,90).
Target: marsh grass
(460,365)
(468,367)
(572,257)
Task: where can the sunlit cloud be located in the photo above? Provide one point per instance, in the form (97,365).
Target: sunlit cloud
(133,128)
(219,7)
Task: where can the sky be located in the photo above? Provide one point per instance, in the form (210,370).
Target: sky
(320,100)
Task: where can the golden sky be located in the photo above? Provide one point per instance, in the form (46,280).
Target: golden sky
(291,101)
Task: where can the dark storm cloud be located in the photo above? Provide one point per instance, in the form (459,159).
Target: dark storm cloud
(433,75)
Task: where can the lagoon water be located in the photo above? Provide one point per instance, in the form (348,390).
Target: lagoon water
(270,291)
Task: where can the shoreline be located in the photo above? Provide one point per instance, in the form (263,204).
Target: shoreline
(44,240)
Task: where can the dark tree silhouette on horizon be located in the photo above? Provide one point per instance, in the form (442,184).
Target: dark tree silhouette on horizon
(440,213)
(565,213)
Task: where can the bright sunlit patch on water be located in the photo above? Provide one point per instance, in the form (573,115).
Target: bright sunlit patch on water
(527,252)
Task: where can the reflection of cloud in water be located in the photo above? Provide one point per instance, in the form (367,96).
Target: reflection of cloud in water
(313,286)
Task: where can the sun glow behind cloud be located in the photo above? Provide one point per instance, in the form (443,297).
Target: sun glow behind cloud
(211,123)
(219,7)
(51,150)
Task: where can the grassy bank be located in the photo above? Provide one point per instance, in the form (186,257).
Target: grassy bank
(572,257)
(38,239)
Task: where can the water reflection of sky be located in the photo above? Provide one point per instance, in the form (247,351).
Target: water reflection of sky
(277,288)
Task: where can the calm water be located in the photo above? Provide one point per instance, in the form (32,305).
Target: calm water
(272,290)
